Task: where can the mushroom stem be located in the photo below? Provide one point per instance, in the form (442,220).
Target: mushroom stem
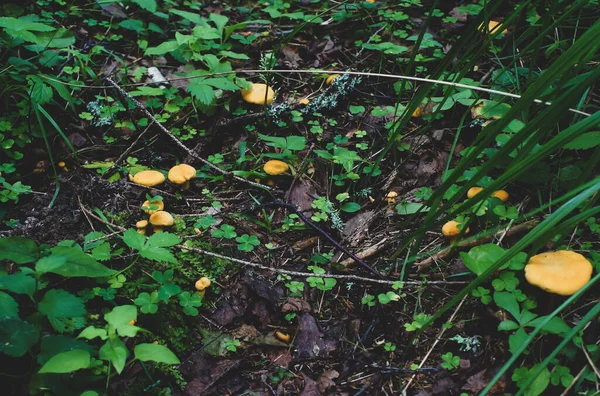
(158,229)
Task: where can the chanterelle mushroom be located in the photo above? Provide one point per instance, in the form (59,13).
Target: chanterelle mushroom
(202,284)
(473,191)
(160,220)
(259,94)
(182,174)
(275,167)
(561,272)
(450,229)
(141,226)
(501,195)
(160,205)
(148,178)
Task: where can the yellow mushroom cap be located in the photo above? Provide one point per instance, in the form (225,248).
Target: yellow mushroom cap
(281,336)
(160,204)
(332,78)
(492,27)
(275,167)
(304,101)
(473,191)
(561,272)
(501,195)
(257,94)
(450,229)
(61,164)
(141,224)
(180,174)
(417,113)
(148,178)
(392,194)
(202,283)
(161,219)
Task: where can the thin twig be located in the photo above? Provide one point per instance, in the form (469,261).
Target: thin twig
(190,152)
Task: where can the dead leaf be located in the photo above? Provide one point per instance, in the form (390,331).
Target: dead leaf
(326,380)
(291,56)
(293,304)
(310,341)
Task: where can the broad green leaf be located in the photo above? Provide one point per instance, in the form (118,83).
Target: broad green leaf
(202,92)
(91,332)
(58,303)
(585,141)
(480,258)
(18,283)
(147,91)
(190,16)
(155,353)
(508,301)
(8,306)
(219,20)
(66,362)
(120,318)
(21,24)
(555,326)
(148,5)
(158,254)
(115,352)
(18,249)
(507,325)
(163,48)
(62,38)
(70,262)
(221,83)
(133,239)
(17,336)
(163,239)
(539,385)
(350,207)
(101,252)
(410,208)
(54,344)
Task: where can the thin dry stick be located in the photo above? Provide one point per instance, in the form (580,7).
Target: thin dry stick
(177,141)
(283,271)
(437,340)
(369,74)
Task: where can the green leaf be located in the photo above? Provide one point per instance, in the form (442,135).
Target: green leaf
(539,385)
(54,344)
(410,208)
(585,141)
(167,46)
(17,336)
(66,362)
(507,325)
(120,317)
(147,91)
(163,239)
(148,303)
(221,83)
(62,38)
(350,207)
(70,262)
(202,92)
(158,254)
(17,25)
(508,301)
(133,239)
(58,303)
(148,5)
(190,16)
(8,306)
(189,302)
(555,326)
(101,252)
(91,332)
(115,352)
(18,249)
(480,258)
(155,353)
(19,283)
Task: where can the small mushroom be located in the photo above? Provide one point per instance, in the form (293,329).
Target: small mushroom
(202,284)
(182,174)
(141,226)
(492,27)
(560,272)
(161,219)
(391,198)
(501,195)
(332,78)
(63,166)
(304,101)
(281,336)
(473,191)
(417,113)
(148,178)
(275,167)
(259,94)
(160,206)
(450,229)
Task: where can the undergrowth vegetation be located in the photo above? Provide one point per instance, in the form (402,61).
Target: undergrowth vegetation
(369,190)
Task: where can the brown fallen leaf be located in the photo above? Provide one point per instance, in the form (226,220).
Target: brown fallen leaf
(293,304)
(326,380)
